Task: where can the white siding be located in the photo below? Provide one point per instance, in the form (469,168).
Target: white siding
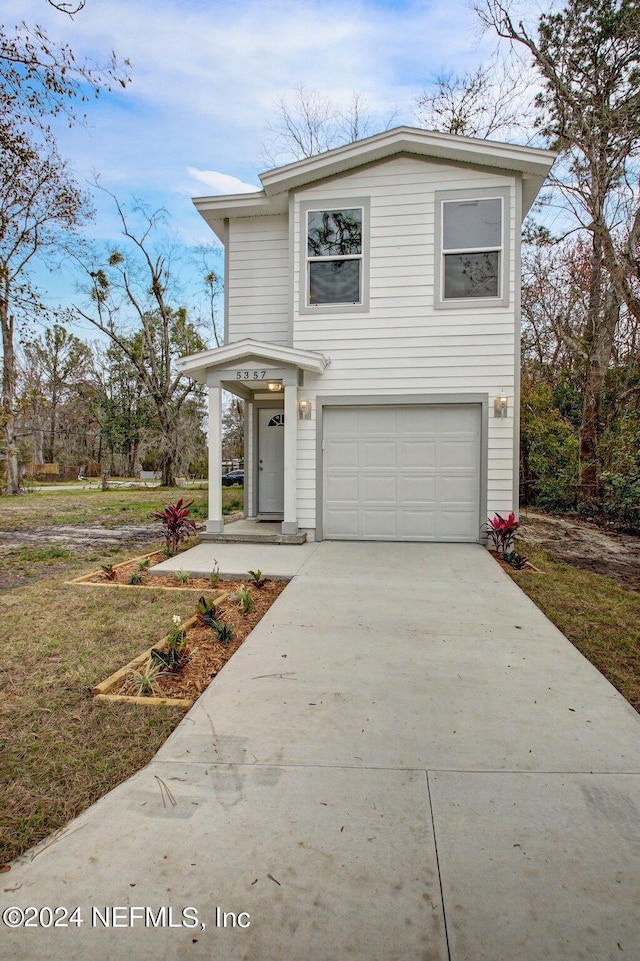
(258,284)
(402,344)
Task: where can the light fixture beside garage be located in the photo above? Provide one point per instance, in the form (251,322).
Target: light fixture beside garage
(304,410)
(501,406)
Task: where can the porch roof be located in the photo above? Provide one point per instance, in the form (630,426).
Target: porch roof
(197,365)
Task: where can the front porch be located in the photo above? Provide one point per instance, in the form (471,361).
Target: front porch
(271,380)
(253,531)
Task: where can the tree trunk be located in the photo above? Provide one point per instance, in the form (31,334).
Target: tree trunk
(589,459)
(168,476)
(12,485)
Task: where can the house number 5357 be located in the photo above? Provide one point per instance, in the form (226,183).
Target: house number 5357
(251,374)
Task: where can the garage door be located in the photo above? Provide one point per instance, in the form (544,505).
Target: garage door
(402,473)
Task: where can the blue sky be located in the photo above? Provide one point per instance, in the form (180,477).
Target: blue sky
(206,77)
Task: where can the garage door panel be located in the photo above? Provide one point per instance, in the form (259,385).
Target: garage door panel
(456,489)
(417,525)
(402,473)
(379,489)
(382,420)
(416,452)
(418,489)
(341,454)
(380,524)
(378,453)
(419,420)
(454,525)
(344,489)
(457,453)
(347,522)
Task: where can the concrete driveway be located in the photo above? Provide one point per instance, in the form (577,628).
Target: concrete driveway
(405,760)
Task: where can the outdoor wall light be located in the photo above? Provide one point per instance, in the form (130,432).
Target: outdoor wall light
(274,387)
(304,410)
(501,406)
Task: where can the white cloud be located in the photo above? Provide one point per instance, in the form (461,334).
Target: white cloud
(219,183)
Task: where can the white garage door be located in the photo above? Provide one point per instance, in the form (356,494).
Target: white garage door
(402,473)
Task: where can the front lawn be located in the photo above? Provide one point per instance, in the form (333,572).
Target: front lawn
(60,750)
(599,617)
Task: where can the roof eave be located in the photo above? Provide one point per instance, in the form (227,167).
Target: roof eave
(529,161)
(197,365)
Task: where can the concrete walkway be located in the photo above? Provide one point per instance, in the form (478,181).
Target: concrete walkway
(404,762)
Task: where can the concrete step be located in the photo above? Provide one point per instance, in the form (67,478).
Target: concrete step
(247,538)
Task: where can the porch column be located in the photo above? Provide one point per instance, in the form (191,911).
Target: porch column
(290,522)
(215,523)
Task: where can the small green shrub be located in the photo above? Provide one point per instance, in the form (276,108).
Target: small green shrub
(109,571)
(515,560)
(136,578)
(206,612)
(145,681)
(258,579)
(244,599)
(174,654)
(182,577)
(215,574)
(225,633)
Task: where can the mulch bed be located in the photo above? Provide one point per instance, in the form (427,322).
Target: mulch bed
(208,655)
(122,577)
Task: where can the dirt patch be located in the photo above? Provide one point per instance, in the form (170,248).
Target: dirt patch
(586,545)
(81,538)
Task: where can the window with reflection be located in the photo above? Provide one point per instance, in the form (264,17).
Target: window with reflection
(334,256)
(472,248)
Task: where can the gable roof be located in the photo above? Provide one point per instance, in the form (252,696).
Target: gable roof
(197,365)
(533,164)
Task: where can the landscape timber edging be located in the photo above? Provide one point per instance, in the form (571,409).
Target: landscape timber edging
(102,691)
(84,580)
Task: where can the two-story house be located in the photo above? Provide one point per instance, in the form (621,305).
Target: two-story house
(372,325)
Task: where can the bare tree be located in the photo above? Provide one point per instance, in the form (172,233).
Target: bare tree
(40,79)
(38,198)
(308,123)
(211,291)
(130,303)
(484,102)
(586,57)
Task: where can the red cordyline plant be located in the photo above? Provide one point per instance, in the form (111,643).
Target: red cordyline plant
(176,524)
(502,531)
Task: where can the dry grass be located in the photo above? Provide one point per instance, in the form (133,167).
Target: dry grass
(60,749)
(597,615)
(110,508)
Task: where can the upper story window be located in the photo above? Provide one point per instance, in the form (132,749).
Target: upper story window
(334,256)
(473,259)
(472,245)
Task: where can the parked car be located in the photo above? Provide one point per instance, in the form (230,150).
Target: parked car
(233,477)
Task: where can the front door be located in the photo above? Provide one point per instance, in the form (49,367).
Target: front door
(270,461)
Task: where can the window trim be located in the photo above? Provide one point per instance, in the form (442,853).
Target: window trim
(332,203)
(484,193)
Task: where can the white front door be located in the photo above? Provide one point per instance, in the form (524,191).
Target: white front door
(270,461)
